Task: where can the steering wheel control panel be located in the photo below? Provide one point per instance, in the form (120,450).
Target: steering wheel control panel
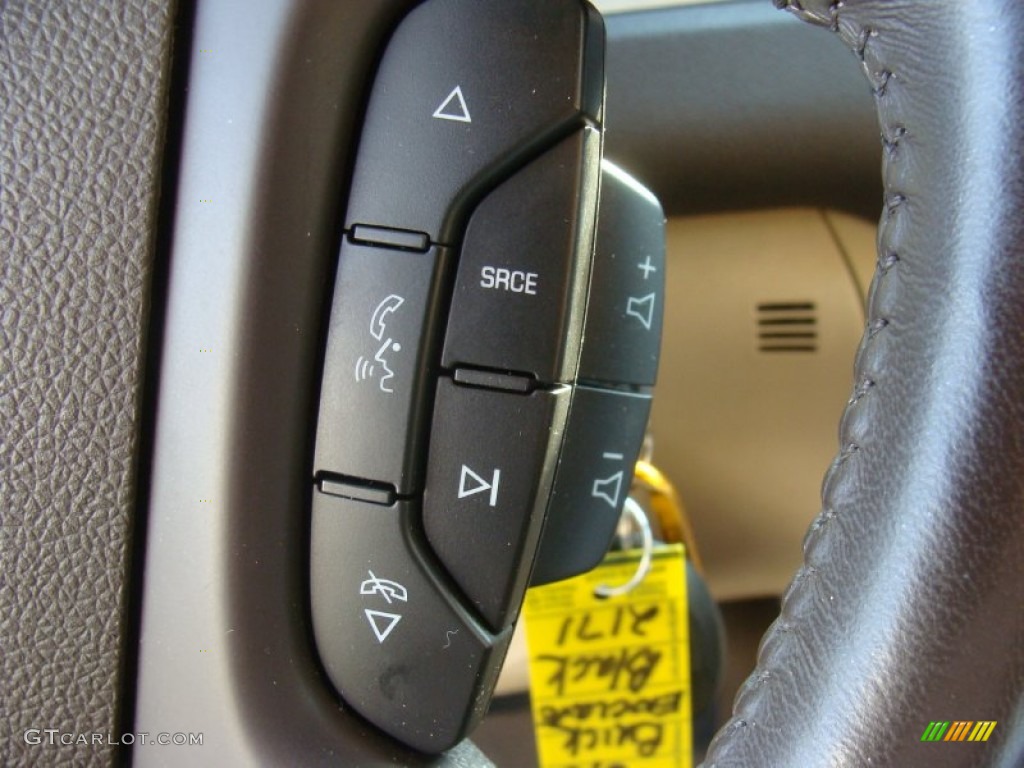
(489,358)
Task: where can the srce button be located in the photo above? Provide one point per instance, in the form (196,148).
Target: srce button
(521,286)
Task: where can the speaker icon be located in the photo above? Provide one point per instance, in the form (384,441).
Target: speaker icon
(608,489)
(642,308)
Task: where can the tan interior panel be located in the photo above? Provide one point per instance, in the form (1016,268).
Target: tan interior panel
(763,314)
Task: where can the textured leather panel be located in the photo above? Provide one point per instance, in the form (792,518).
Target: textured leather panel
(908,606)
(82,89)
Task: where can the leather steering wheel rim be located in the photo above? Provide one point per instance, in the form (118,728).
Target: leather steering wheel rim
(907,608)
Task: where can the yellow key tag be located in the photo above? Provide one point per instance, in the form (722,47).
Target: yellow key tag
(610,677)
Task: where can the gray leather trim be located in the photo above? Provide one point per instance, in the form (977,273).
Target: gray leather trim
(908,606)
(83,90)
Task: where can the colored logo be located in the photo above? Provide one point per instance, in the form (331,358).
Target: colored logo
(959,730)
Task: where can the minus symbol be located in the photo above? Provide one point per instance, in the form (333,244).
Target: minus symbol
(614,456)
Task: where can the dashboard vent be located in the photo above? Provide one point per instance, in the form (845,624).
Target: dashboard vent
(787,326)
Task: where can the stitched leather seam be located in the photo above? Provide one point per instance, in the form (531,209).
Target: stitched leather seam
(891,140)
(891,137)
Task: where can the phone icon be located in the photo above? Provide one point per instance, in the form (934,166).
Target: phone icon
(378,322)
(377,366)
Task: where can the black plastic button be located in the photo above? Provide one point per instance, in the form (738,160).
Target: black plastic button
(374,400)
(603,437)
(399,650)
(521,290)
(489,473)
(466,90)
(622,337)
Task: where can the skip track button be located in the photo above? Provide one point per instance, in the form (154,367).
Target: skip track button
(489,471)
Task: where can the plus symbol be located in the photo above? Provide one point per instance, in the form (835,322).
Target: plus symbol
(647,267)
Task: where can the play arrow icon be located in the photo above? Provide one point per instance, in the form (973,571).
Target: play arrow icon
(470,484)
(454,108)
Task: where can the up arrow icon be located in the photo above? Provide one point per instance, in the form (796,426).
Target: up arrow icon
(454,107)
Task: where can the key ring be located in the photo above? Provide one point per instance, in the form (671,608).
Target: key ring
(668,510)
(635,511)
